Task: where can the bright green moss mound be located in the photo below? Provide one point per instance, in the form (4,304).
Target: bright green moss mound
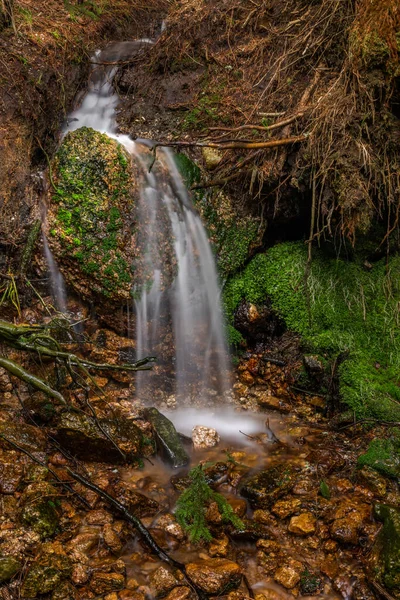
(92,209)
(351,310)
(232,237)
(383,456)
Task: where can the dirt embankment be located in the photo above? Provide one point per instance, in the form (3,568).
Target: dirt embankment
(44,56)
(325,73)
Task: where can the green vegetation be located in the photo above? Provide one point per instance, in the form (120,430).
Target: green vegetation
(93,208)
(309,583)
(342,309)
(192,506)
(383,456)
(232,238)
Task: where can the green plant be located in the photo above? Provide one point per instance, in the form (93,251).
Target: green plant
(192,505)
(9,294)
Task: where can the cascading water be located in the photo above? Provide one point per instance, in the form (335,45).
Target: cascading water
(176,294)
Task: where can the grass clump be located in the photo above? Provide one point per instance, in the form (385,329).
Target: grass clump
(343,309)
(192,506)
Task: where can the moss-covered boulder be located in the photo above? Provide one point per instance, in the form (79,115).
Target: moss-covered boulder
(107,440)
(383,456)
(389,546)
(233,233)
(91,214)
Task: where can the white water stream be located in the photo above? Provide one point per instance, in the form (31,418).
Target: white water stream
(176,288)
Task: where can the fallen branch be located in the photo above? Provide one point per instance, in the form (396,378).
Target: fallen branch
(231,145)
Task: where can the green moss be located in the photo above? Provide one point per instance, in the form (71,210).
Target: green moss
(383,456)
(345,309)
(93,205)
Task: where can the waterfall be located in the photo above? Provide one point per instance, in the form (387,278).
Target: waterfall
(175,293)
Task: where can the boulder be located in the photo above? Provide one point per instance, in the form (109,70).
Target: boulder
(91,215)
(204,437)
(167,438)
(81,435)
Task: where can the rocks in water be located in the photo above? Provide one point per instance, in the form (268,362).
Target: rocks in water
(51,568)
(91,215)
(84,438)
(167,438)
(303,524)
(204,437)
(104,583)
(263,489)
(373,481)
(348,520)
(219,547)
(162,581)
(9,566)
(389,545)
(215,576)
(39,508)
(288,574)
(286,507)
(138,504)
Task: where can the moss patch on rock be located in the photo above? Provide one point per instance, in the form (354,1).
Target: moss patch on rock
(234,237)
(383,456)
(343,308)
(91,217)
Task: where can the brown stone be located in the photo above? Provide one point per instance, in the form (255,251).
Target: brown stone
(329,567)
(219,546)
(285,508)
(181,593)
(215,576)
(289,574)
(162,581)
(303,524)
(80,574)
(98,517)
(104,583)
(10,474)
(111,538)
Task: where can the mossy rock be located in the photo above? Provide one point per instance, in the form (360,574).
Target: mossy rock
(263,489)
(85,438)
(383,456)
(233,234)
(50,569)
(91,214)
(389,546)
(9,566)
(40,508)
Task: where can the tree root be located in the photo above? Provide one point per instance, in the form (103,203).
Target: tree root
(32,380)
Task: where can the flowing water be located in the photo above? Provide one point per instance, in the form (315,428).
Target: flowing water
(175,292)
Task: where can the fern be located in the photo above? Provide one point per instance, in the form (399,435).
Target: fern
(192,504)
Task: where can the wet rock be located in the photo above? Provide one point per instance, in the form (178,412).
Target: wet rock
(204,437)
(80,574)
(373,480)
(9,566)
(215,576)
(83,543)
(389,545)
(313,364)
(170,525)
(264,489)
(90,218)
(65,591)
(303,524)
(82,436)
(162,581)
(181,593)
(167,438)
(40,407)
(137,503)
(18,541)
(362,591)
(27,436)
(112,538)
(47,572)
(309,583)
(10,473)
(289,574)
(103,583)
(330,567)
(270,402)
(285,508)
(98,517)
(39,508)
(219,547)
(257,323)
(349,518)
